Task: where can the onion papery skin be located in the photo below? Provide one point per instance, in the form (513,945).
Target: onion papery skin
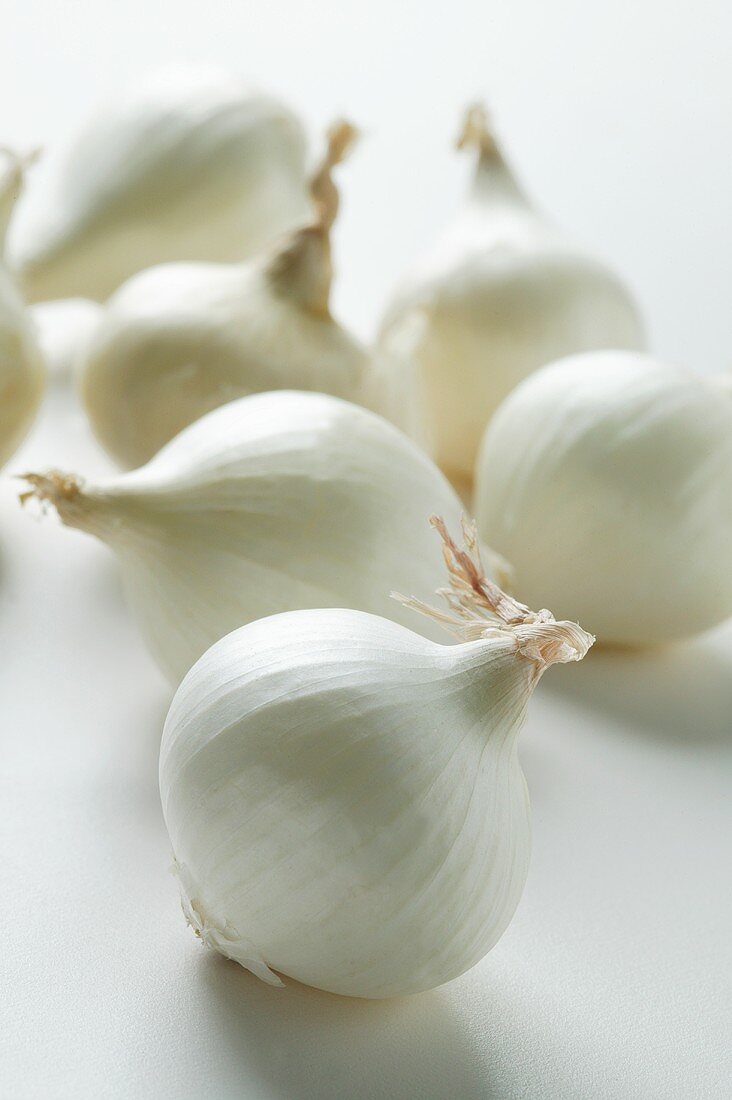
(191,164)
(499,294)
(180,340)
(345,801)
(274,502)
(608,479)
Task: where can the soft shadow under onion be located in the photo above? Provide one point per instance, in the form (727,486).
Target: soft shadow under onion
(310,1045)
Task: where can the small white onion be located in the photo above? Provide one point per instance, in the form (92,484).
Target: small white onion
(500,294)
(181,339)
(607,479)
(344,797)
(190,164)
(274,502)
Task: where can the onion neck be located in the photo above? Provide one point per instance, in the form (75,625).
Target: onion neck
(67,494)
(302,269)
(493,178)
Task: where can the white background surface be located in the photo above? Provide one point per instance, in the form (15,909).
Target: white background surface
(613,980)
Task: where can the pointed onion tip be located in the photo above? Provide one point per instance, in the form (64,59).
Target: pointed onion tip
(64,492)
(477,132)
(341,137)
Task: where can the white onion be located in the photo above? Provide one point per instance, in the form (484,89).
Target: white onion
(274,502)
(500,294)
(607,478)
(181,339)
(344,797)
(191,164)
